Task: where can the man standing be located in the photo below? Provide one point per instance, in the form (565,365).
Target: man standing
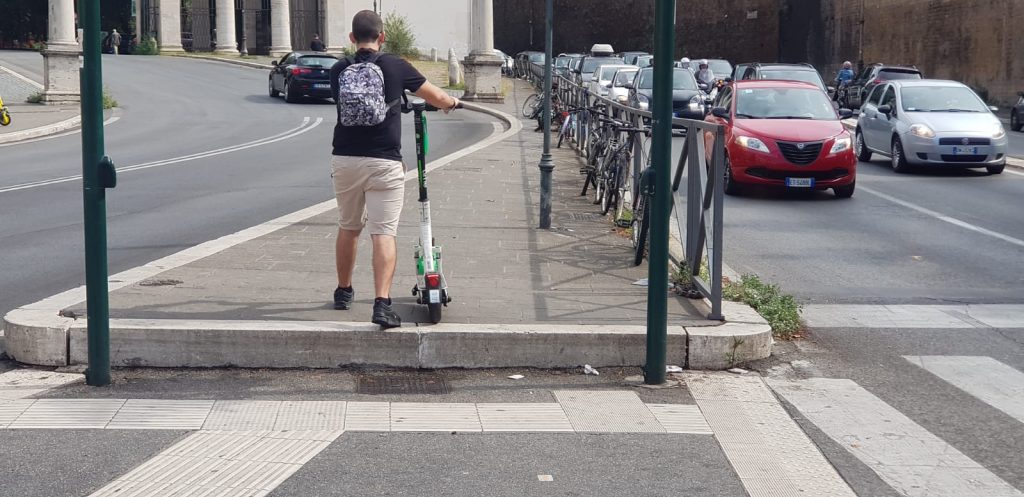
(115,41)
(369,178)
(317,45)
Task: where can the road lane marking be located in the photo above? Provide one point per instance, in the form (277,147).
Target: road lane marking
(942,217)
(963,316)
(991,381)
(770,453)
(35,84)
(906,456)
(303,128)
(23,383)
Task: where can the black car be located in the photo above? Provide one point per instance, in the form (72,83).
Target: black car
(786,72)
(1017,113)
(302,74)
(874,74)
(687,99)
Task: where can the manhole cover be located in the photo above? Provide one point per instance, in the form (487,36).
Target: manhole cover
(405,383)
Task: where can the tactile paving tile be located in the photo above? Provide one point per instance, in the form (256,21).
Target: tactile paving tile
(727,386)
(281,450)
(422,416)
(144,414)
(307,416)
(681,418)
(23,383)
(368,416)
(11,409)
(242,415)
(607,412)
(523,417)
(68,413)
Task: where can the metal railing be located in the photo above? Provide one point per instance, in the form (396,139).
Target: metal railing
(702,161)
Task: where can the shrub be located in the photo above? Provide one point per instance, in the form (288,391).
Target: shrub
(35,98)
(147,47)
(108,101)
(781,311)
(400,39)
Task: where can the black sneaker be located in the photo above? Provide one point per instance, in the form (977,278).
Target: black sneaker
(384,316)
(343,298)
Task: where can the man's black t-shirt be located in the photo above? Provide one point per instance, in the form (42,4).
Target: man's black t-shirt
(383,141)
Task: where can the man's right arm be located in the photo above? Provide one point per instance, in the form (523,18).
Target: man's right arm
(436,96)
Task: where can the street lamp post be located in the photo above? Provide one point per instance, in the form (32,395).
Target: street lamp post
(547,166)
(97,175)
(661,150)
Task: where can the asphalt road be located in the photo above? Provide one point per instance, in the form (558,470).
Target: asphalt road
(257,159)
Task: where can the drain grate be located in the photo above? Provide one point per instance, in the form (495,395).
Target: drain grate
(401,383)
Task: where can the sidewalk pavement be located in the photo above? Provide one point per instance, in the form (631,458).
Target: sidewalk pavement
(31,120)
(522,296)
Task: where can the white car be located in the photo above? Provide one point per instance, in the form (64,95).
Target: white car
(619,92)
(600,82)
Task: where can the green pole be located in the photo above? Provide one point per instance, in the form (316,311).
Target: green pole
(661,154)
(97,175)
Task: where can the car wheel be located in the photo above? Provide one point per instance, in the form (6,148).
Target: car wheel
(1015,123)
(863,152)
(845,191)
(899,161)
(288,95)
(273,93)
(731,186)
(995,169)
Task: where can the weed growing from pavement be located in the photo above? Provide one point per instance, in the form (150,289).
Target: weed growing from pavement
(780,310)
(35,98)
(147,46)
(108,101)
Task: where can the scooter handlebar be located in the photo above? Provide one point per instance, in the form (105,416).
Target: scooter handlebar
(431,108)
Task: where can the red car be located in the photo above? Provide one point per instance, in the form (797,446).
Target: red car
(784,133)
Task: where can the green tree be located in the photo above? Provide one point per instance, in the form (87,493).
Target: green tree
(400,39)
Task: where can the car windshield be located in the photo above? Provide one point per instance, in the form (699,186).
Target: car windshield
(562,62)
(784,103)
(623,77)
(317,61)
(941,99)
(890,74)
(537,58)
(682,79)
(787,75)
(591,63)
(644,61)
(721,68)
(608,72)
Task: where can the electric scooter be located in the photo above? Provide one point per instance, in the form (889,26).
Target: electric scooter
(431,288)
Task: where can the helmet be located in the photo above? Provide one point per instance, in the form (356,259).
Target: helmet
(847,65)
(703,62)
(685,60)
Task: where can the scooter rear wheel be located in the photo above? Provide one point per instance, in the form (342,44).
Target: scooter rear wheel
(435,312)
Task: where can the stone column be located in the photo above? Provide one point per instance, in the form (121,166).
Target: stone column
(336,25)
(280,28)
(226,27)
(483,67)
(60,72)
(169,31)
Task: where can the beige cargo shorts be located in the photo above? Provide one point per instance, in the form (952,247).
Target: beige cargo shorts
(369,192)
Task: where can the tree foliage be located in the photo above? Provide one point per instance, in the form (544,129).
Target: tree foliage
(399,40)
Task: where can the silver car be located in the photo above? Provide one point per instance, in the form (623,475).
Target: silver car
(600,82)
(619,90)
(932,123)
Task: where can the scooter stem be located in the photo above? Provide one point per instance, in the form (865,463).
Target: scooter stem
(426,234)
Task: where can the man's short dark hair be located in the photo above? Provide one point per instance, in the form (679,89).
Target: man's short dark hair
(366,26)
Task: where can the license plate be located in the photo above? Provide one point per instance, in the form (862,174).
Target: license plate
(434,296)
(800,182)
(321,86)
(965,150)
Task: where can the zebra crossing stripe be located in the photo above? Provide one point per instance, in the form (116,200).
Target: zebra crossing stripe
(995,383)
(909,458)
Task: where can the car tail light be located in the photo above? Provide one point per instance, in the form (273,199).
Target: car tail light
(301,70)
(878,81)
(433,280)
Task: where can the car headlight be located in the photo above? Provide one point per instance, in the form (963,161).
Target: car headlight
(696,103)
(622,99)
(643,102)
(841,144)
(752,143)
(1000,132)
(922,130)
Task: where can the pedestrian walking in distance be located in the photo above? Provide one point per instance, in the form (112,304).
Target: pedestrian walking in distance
(115,41)
(316,45)
(369,178)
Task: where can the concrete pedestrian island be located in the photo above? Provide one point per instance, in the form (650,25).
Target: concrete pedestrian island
(522,296)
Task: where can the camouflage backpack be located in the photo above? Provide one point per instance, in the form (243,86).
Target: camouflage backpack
(360,98)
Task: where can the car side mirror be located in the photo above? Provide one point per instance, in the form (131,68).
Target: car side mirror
(628,85)
(845,113)
(727,80)
(831,89)
(273,63)
(993,108)
(702,86)
(720,112)
(609,85)
(885,109)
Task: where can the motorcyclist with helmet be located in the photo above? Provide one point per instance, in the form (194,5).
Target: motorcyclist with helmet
(685,64)
(704,74)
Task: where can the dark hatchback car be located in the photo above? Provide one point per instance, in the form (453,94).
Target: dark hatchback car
(872,76)
(687,99)
(784,72)
(302,74)
(1017,114)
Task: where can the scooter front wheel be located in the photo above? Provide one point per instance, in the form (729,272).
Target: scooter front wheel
(435,312)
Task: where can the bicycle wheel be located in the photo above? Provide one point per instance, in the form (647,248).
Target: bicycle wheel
(623,187)
(641,227)
(611,193)
(530,106)
(589,181)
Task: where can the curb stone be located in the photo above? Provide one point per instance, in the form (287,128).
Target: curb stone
(37,132)
(38,334)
